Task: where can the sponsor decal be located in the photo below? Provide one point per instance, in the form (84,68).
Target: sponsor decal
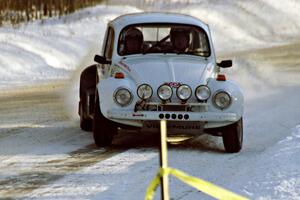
(137,115)
(177,126)
(174,84)
(125,66)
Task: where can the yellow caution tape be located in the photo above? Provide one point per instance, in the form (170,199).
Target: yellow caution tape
(204,186)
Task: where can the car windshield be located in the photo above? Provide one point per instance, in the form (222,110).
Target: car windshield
(163,38)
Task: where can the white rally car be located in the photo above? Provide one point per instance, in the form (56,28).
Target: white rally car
(160,66)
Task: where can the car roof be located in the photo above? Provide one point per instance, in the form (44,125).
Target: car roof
(155,17)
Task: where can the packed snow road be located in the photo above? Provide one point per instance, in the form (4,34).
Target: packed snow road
(39,142)
(45,155)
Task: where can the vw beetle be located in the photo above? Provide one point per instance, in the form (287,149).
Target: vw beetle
(160,66)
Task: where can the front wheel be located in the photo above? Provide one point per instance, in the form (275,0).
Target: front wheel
(103,129)
(233,137)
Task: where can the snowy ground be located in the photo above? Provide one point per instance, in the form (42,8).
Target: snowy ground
(52,49)
(44,154)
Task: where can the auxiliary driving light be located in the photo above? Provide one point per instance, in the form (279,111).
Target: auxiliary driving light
(184,92)
(144,91)
(164,92)
(202,93)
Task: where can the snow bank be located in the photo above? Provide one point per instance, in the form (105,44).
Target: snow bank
(243,24)
(53,48)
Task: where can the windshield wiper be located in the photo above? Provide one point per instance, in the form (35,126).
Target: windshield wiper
(156,44)
(195,52)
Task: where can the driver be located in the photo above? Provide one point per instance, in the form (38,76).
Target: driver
(180,39)
(133,41)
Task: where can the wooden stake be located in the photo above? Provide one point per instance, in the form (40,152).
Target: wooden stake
(164,160)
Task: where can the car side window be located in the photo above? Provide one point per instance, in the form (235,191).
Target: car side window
(108,51)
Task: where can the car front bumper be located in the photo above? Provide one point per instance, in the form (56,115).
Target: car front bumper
(173,116)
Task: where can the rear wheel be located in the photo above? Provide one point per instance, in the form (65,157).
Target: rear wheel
(86,124)
(103,129)
(233,137)
(88,80)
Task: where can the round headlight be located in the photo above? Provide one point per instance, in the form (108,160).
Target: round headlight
(184,92)
(222,99)
(123,96)
(164,92)
(144,91)
(202,93)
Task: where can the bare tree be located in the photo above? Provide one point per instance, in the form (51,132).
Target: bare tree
(16,11)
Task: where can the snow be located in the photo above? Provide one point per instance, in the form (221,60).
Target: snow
(237,25)
(40,58)
(280,171)
(262,37)
(128,174)
(106,176)
(52,49)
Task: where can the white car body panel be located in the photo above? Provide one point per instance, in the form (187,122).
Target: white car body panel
(191,70)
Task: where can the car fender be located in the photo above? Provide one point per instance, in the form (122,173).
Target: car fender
(106,89)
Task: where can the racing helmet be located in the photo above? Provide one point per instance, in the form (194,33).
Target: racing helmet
(180,38)
(134,33)
(133,40)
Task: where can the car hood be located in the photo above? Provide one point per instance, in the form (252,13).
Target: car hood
(156,71)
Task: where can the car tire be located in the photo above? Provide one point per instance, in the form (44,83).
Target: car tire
(88,79)
(86,124)
(103,129)
(233,137)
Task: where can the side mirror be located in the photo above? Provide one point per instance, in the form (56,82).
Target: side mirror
(225,63)
(101,60)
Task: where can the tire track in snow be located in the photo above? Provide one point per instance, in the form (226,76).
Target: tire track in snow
(15,187)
